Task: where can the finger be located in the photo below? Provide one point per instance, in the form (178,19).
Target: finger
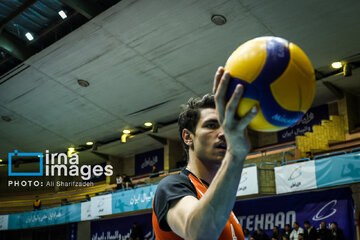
(217,77)
(220,99)
(232,105)
(245,121)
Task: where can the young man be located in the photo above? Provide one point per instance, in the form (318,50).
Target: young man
(324,233)
(296,231)
(310,232)
(277,235)
(119,182)
(197,203)
(287,230)
(336,232)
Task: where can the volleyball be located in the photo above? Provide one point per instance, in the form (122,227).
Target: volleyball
(277,76)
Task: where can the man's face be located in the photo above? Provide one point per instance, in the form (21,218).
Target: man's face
(287,228)
(333,226)
(307,226)
(295,226)
(209,142)
(322,225)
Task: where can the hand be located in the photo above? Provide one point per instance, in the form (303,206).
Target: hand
(234,128)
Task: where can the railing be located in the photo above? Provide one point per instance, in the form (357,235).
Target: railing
(329,154)
(295,161)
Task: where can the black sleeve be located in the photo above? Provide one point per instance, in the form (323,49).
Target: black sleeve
(170,189)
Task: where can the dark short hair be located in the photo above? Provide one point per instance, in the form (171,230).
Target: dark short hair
(190,115)
(307,222)
(336,224)
(288,225)
(296,223)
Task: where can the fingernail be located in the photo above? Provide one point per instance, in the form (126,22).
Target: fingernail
(238,88)
(254,109)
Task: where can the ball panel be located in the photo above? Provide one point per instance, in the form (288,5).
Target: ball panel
(247,61)
(259,123)
(294,90)
(308,82)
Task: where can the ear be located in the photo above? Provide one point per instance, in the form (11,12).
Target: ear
(187,137)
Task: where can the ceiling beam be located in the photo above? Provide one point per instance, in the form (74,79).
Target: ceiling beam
(16,13)
(339,94)
(84,7)
(14,46)
(161,140)
(101,155)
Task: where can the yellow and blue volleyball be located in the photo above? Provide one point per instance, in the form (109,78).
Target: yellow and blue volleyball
(277,76)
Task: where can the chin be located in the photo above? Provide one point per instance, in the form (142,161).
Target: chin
(220,156)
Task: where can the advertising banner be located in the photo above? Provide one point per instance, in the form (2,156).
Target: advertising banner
(312,117)
(337,170)
(86,211)
(136,199)
(120,228)
(295,177)
(249,182)
(145,161)
(51,216)
(101,205)
(4,222)
(326,205)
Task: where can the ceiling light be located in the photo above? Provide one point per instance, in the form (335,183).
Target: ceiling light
(218,19)
(336,65)
(89,143)
(1,160)
(70,151)
(62,14)
(83,83)
(126,131)
(29,36)
(148,124)
(124,137)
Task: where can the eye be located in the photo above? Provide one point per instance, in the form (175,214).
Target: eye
(212,125)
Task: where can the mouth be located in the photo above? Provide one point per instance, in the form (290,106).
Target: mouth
(221,145)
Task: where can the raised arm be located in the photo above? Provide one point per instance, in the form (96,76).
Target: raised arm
(191,218)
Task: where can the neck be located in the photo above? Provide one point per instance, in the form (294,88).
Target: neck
(203,171)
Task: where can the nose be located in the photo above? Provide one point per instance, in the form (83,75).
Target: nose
(221,135)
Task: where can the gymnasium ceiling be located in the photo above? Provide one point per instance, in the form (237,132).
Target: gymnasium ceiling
(143,59)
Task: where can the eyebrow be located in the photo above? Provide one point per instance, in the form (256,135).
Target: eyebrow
(211,121)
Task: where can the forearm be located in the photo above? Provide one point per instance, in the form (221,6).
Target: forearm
(210,216)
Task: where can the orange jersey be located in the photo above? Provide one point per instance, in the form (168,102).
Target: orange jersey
(188,184)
